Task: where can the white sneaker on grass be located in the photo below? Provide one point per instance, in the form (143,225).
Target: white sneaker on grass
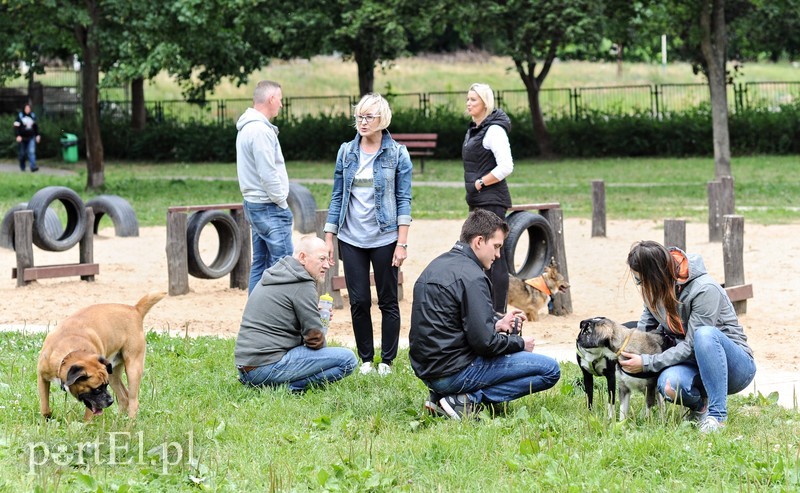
(366,368)
(711,425)
(384,369)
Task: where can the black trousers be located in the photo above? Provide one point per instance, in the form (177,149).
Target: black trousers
(356,271)
(498,274)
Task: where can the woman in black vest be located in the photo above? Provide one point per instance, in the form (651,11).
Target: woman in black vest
(487,163)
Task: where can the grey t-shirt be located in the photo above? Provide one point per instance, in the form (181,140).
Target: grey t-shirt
(360,226)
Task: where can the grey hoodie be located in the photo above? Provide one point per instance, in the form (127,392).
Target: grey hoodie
(259,160)
(702,302)
(280,311)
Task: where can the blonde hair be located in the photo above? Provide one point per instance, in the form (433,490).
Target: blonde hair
(486,94)
(377,105)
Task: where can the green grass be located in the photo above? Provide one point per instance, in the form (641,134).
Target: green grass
(766,187)
(329,76)
(366,434)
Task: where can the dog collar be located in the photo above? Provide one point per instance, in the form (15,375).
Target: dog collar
(625,343)
(538,284)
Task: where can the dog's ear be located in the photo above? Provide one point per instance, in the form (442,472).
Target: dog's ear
(106,363)
(75,373)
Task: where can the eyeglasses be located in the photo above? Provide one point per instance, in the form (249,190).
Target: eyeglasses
(366,118)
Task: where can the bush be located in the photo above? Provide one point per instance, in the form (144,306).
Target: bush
(594,134)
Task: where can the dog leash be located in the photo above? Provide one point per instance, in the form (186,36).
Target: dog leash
(625,343)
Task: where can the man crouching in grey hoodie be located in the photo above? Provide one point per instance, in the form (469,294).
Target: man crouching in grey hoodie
(280,339)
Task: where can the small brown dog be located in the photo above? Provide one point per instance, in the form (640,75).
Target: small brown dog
(87,352)
(532,295)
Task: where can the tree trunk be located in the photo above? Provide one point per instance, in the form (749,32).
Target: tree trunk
(366,71)
(138,111)
(620,52)
(714,49)
(90,78)
(540,132)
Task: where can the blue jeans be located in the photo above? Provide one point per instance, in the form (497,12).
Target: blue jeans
(271,229)
(27,148)
(721,368)
(302,367)
(501,378)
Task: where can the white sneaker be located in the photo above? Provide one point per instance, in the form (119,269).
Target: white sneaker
(366,368)
(711,425)
(384,369)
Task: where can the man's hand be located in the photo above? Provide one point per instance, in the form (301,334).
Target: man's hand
(529,343)
(506,324)
(315,339)
(38,139)
(19,138)
(630,362)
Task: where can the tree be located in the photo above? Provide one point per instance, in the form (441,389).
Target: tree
(531,33)
(372,31)
(702,26)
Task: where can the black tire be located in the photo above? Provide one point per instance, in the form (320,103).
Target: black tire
(230,244)
(120,212)
(540,243)
(303,207)
(76,219)
(52,223)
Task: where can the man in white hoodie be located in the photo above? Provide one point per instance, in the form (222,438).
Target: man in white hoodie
(263,180)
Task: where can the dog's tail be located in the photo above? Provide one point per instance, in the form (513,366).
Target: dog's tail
(146,303)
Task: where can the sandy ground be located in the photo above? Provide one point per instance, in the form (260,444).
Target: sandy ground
(129,267)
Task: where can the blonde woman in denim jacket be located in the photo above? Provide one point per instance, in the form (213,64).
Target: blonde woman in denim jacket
(370,212)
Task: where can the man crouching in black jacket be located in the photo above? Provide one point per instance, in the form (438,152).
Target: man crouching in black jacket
(465,353)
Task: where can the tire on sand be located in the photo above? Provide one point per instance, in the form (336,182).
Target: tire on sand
(52,223)
(120,212)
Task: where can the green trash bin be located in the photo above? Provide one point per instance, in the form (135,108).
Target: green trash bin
(69,148)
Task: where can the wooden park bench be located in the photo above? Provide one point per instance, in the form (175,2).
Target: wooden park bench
(419,145)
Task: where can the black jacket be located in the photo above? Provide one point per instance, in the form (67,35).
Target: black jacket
(452,319)
(478,162)
(25,125)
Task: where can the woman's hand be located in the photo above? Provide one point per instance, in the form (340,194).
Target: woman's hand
(630,362)
(400,254)
(329,244)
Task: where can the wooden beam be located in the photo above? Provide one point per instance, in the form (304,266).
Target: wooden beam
(195,208)
(740,293)
(538,207)
(51,271)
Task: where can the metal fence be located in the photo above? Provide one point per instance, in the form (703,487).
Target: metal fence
(656,100)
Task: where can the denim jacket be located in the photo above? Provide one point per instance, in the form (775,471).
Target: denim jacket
(392,171)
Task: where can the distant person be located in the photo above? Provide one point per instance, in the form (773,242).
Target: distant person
(712,358)
(487,164)
(466,353)
(263,180)
(281,340)
(27,132)
(370,212)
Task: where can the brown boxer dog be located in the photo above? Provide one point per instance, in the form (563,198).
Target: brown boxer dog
(88,350)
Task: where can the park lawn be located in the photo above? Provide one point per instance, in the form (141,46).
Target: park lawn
(200,430)
(766,187)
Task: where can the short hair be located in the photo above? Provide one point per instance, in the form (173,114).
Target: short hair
(486,94)
(376,104)
(264,90)
(481,222)
(308,243)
